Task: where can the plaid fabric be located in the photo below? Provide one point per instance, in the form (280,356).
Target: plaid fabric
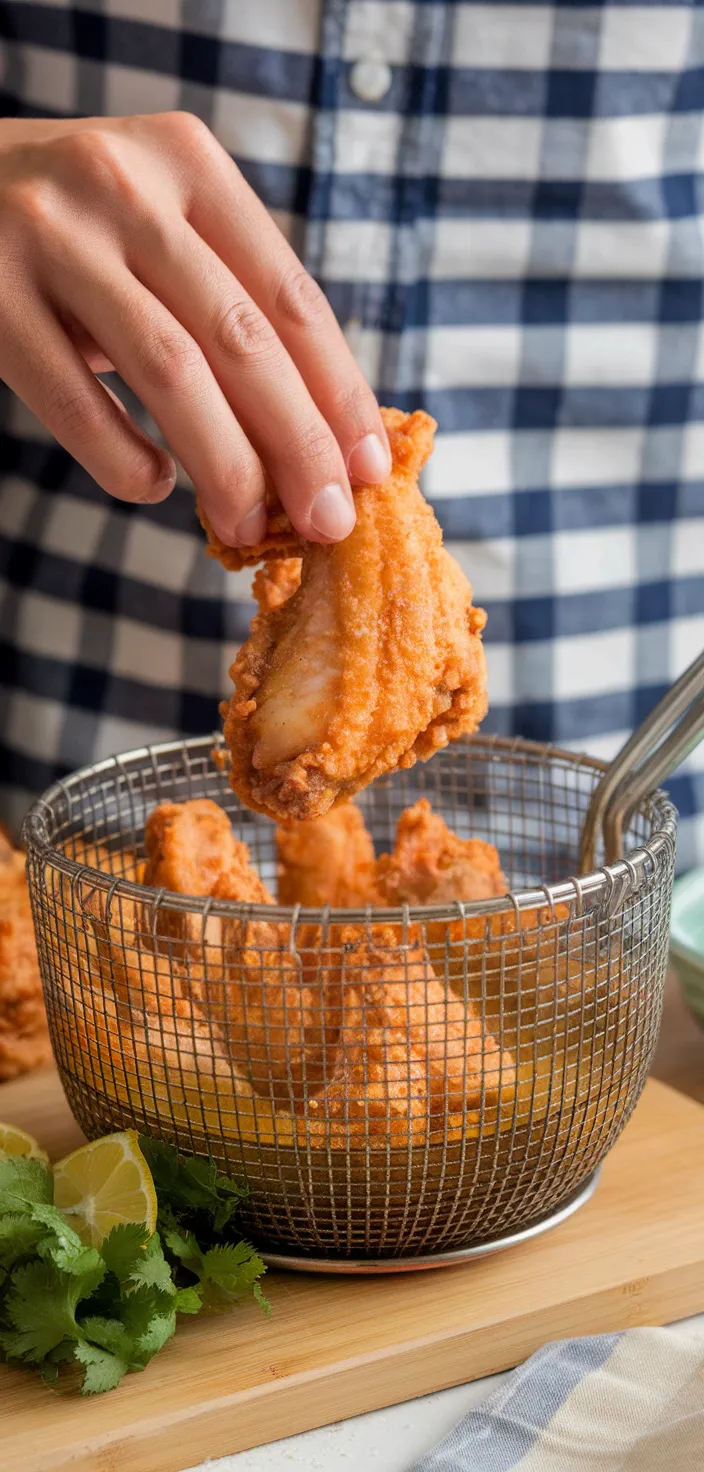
(617,1403)
(512,238)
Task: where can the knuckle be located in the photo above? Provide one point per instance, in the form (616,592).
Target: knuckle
(87,150)
(96,156)
(312,447)
(168,357)
(242,331)
(353,403)
(30,202)
(185,127)
(299,300)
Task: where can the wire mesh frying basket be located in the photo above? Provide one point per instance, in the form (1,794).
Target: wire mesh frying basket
(390,1084)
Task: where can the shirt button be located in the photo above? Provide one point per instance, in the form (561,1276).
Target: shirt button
(370,80)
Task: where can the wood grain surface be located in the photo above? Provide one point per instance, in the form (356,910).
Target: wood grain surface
(336,1347)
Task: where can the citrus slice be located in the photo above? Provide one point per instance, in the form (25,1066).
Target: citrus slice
(18,1142)
(105,1184)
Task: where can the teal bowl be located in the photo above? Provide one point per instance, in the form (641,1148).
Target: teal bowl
(687,938)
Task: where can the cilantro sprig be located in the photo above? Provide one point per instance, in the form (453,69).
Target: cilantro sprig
(97,1313)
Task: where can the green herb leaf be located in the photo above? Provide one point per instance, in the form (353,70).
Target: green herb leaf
(23,1183)
(19,1235)
(139,1307)
(188,1301)
(192,1185)
(151,1270)
(184,1246)
(234,1267)
(64,1248)
(161,1328)
(122,1250)
(103,1370)
(41,1308)
(109,1334)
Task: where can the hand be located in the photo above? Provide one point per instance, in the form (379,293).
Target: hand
(135,244)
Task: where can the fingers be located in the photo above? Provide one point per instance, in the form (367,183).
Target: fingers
(248,241)
(145,251)
(260,381)
(165,367)
(88,349)
(41,365)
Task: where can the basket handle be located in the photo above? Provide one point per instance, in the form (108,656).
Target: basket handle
(666,736)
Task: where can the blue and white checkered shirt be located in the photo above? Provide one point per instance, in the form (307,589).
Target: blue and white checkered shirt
(503,202)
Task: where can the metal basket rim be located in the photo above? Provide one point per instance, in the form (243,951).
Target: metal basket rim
(616,879)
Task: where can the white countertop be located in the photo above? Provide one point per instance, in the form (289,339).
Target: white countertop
(389,1440)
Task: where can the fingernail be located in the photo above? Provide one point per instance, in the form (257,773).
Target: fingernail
(252,528)
(161,487)
(332,513)
(370,460)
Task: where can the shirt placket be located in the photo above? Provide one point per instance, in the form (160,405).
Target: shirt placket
(374,152)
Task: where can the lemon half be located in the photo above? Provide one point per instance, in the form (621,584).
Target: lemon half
(105,1184)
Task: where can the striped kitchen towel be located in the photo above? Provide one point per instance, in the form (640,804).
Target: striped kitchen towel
(631,1402)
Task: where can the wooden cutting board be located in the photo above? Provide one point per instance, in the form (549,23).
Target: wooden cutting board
(335,1347)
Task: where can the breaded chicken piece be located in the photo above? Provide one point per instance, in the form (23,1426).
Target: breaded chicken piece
(138,1032)
(375,661)
(430,865)
(24,1038)
(411,1055)
(244,977)
(327,861)
(192,850)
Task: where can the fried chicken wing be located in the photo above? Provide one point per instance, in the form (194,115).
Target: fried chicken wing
(410,1055)
(135,1036)
(379,1091)
(430,865)
(192,850)
(245,978)
(24,1038)
(374,661)
(326,861)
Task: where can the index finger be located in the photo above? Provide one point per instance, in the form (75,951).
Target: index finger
(251,245)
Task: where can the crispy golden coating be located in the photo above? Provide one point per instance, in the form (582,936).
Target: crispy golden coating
(192,850)
(327,861)
(430,865)
(276,1026)
(24,1039)
(376,660)
(281,540)
(244,977)
(276,582)
(410,1054)
(135,1034)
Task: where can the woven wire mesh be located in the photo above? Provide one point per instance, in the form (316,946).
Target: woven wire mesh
(452,1077)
